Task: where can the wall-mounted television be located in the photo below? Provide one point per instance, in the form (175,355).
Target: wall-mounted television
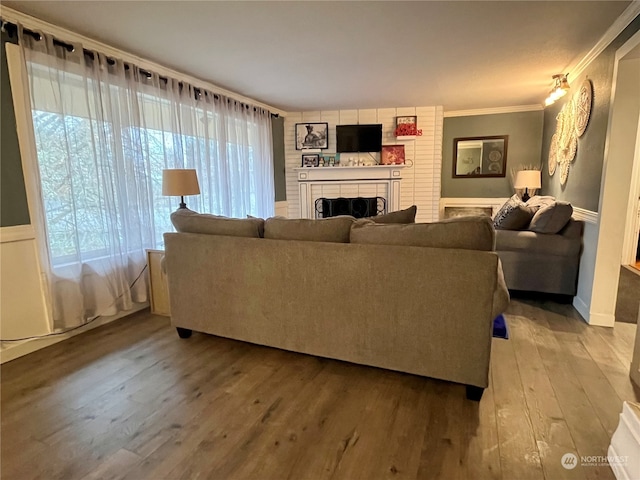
(358,138)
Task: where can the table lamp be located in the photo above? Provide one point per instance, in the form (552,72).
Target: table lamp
(180,182)
(527,179)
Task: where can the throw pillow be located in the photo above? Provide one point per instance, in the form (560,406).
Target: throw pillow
(333,229)
(188,221)
(513,215)
(551,218)
(408,215)
(469,233)
(539,201)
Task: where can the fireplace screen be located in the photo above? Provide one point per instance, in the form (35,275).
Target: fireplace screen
(358,207)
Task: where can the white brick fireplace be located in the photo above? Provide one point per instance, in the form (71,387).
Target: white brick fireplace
(334,182)
(419,179)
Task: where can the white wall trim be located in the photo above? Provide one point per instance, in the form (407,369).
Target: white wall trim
(12,350)
(495,203)
(17,233)
(494,111)
(587,216)
(577,67)
(601,319)
(30,22)
(583,309)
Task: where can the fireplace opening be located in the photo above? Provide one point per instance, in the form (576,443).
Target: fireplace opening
(358,207)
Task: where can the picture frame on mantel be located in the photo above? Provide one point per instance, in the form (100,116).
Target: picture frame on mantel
(392,155)
(311,136)
(310,160)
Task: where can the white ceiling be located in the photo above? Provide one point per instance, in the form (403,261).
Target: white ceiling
(313,55)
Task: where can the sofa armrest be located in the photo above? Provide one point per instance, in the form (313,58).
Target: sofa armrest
(573,229)
(501,297)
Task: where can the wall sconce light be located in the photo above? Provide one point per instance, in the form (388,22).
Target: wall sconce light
(559,90)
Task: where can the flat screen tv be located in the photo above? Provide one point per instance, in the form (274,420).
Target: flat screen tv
(358,138)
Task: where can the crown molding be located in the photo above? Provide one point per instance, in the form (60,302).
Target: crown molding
(33,23)
(622,22)
(493,111)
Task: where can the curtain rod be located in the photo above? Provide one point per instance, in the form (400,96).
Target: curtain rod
(11,28)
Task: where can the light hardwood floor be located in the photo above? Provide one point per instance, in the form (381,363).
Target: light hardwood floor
(130,400)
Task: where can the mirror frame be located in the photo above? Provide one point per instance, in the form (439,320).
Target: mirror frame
(481,175)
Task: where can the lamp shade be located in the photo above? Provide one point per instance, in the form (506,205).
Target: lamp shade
(527,179)
(180,182)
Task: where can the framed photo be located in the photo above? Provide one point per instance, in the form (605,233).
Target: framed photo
(312,135)
(407,126)
(330,160)
(310,160)
(410,119)
(392,155)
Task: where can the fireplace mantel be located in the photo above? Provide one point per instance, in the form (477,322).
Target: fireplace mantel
(375,172)
(372,181)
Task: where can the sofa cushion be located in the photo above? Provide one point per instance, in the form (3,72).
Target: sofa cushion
(527,242)
(408,215)
(334,229)
(513,215)
(551,218)
(188,221)
(470,233)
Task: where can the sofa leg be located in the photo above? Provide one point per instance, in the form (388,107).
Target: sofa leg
(474,393)
(184,332)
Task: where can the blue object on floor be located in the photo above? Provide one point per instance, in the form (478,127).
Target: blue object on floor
(500,327)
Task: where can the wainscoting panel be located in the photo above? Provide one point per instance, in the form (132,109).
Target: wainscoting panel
(22,306)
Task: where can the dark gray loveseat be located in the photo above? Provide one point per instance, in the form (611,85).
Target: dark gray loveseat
(541,262)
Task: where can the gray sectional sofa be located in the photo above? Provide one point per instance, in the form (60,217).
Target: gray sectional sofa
(539,245)
(541,262)
(416,298)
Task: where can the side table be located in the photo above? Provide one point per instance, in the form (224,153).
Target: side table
(158,287)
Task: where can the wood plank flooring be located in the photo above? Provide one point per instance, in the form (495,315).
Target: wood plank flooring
(130,400)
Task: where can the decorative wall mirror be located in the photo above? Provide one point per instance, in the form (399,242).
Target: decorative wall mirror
(475,157)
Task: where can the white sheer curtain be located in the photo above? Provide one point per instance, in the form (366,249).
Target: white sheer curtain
(104,131)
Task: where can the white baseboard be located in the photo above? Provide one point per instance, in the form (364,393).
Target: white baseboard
(602,319)
(12,350)
(596,319)
(581,307)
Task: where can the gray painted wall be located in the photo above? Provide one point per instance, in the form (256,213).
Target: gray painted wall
(525,144)
(277,129)
(13,197)
(585,175)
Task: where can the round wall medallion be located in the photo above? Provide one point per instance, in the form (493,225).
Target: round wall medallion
(570,153)
(582,107)
(565,129)
(564,172)
(553,154)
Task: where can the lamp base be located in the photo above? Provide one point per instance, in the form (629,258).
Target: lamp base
(182,204)
(525,196)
